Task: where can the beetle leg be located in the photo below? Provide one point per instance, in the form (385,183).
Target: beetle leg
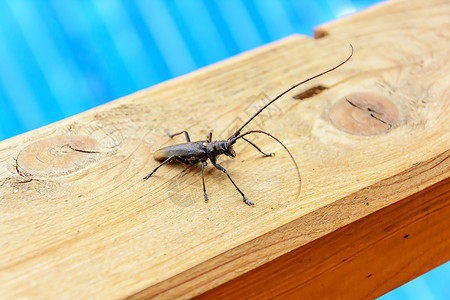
(257,148)
(209,137)
(178,133)
(219,167)
(203,180)
(163,163)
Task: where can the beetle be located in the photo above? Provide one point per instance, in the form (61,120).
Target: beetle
(201,151)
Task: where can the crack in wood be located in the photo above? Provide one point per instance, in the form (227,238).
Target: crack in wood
(372,111)
(79,150)
(310,92)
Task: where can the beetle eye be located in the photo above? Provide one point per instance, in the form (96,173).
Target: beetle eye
(233,154)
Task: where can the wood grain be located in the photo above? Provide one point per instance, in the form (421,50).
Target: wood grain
(372,141)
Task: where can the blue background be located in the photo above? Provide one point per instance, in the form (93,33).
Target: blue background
(59,58)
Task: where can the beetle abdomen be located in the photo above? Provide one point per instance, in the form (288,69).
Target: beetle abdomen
(188,152)
(161,154)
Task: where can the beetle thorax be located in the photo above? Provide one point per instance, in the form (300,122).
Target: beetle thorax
(221,147)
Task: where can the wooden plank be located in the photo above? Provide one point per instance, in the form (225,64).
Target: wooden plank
(77,220)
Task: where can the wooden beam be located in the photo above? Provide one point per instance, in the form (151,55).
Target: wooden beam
(372,141)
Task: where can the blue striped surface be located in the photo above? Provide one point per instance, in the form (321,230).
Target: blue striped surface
(59,58)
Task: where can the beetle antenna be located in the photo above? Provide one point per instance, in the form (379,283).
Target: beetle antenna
(234,135)
(285,148)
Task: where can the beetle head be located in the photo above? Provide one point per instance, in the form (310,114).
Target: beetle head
(230,152)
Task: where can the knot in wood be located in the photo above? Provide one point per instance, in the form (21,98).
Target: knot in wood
(56,156)
(364,114)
